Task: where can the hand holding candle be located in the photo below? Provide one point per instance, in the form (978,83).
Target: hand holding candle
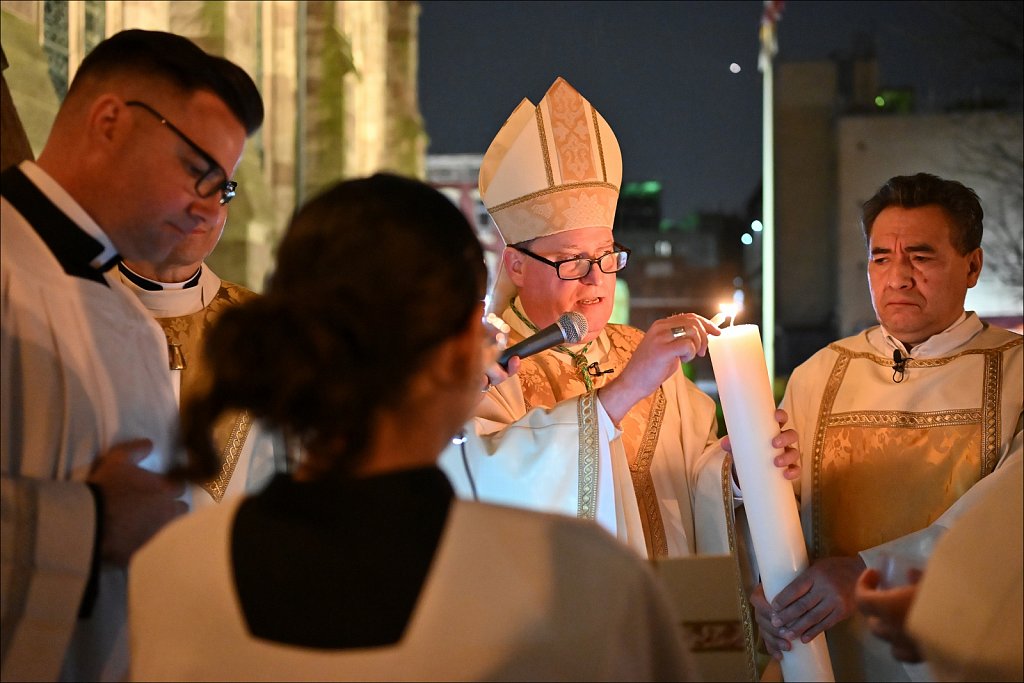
(749,406)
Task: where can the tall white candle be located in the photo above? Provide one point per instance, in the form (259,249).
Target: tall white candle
(749,407)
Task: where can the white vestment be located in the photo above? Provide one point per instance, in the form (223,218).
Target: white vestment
(968,614)
(886,464)
(251,453)
(511,595)
(542,441)
(83,367)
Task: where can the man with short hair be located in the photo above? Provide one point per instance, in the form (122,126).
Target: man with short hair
(897,422)
(139,157)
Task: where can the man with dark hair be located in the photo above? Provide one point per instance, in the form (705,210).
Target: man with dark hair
(897,422)
(139,157)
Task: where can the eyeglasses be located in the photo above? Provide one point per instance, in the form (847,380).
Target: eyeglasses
(215,178)
(579,267)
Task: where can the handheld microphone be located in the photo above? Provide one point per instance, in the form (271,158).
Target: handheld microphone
(899,366)
(570,328)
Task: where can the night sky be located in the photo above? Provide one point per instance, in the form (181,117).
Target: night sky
(659,72)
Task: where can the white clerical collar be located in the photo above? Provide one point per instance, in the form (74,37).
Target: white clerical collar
(66,203)
(966,327)
(152,285)
(171,303)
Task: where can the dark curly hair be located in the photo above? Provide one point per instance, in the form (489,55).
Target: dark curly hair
(371,275)
(960,203)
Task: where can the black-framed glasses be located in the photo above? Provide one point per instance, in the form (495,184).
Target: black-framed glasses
(215,178)
(579,267)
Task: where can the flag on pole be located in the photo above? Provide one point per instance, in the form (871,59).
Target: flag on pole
(769,44)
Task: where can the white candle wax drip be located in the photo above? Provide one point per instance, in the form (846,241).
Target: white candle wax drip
(749,407)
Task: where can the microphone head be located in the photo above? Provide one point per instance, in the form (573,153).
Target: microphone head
(573,326)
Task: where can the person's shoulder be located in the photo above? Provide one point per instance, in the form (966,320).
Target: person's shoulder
(188,537)
(855,343)
(998,337)
(565,537)
(813,368)
(237,292)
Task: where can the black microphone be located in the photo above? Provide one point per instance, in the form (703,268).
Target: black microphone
(570,328)
(899,366)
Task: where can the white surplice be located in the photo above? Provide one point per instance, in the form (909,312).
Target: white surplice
(511,596)
(83,367)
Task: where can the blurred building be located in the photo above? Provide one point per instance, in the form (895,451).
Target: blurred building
(838,137)
(338,78)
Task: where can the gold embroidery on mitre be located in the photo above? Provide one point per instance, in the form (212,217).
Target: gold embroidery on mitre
(544,148)
(600,148)
(566,187)
(571,133)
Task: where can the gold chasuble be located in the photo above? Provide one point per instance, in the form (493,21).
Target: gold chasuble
(883,459)
(185,335)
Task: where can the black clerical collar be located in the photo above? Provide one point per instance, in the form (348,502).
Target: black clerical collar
(152,285)
(73,248)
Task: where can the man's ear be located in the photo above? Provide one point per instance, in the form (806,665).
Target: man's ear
(974,263)
(108,122)
(514,263)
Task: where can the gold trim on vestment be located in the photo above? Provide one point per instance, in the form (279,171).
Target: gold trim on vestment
(923,362)
(746,617)
(229,456)
(835,379)
(988,416)
(187,332)
(551,190)
(908,420)
(643,484)
(588,457)
(544,151)
(990,434)
(600,147)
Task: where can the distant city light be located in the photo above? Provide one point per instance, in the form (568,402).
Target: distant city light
(756,225)
(735,68)
(747,239)
(879,101)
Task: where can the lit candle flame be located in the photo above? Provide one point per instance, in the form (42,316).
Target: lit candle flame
(726,312)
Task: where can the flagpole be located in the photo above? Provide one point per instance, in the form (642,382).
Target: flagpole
(768,220)
(803,661)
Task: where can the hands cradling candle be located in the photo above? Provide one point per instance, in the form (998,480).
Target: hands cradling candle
(789,460)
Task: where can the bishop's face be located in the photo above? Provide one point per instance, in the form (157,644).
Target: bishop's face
(544,296)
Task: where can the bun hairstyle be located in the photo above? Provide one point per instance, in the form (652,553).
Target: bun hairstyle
(371,275)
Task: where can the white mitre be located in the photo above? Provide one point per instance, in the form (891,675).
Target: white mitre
(551,168)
